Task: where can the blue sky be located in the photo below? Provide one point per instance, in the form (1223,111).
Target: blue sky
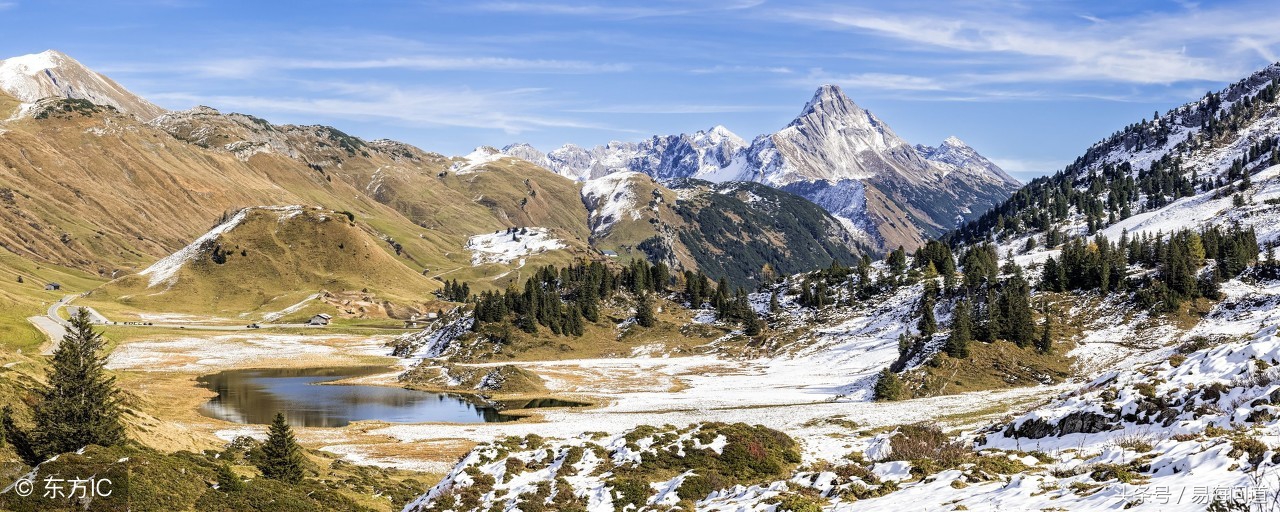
(1030,84)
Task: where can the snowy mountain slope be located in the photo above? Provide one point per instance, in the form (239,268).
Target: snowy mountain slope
(31,78)
(703,154)
(953,155)
(916,191)
(1190,157)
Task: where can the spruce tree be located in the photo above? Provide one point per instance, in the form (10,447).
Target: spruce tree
(888,386)
(80,406)
(1045,343)
(774,307)
(928,324)
(228,481)
(644,311)
(961,331)
(280,457)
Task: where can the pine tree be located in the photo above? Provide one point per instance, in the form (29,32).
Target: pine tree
(644,311)
(281,458)
(774,307)
(754,326)
(961,331)
(80,406)
(1045,343)
(228,481)
(928,324)
(888,386)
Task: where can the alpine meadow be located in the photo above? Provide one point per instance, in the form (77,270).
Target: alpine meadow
(509,257)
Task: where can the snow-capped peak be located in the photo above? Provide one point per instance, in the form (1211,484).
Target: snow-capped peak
(476,159)
(30,78)
(954,155)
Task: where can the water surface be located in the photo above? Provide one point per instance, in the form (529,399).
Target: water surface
(256,395)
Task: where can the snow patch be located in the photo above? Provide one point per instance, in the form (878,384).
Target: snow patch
(506,246)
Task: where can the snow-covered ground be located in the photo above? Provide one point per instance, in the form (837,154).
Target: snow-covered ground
(505,247)
(610,199)
(474,161)
(202,354)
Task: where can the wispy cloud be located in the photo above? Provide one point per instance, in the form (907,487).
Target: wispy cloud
(721,68)
(616,10)
(512,111)
(4,6)
(248,67)
(1191,45)
(676,109)
(1026,169)
(873,81)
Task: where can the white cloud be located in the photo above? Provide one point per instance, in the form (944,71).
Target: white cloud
(1193,45)
(613,10)
(249,67)
(888,82)
(1027,168)
(511,111)
(674,109)
(781,70)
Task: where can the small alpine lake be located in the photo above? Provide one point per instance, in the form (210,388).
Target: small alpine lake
(254,396)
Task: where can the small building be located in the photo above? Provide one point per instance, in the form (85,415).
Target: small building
(610,254)
(53,286)
(320,319)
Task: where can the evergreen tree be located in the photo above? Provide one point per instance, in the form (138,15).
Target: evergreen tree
(280,457)
(961,331)
(1045,343)
(927,324)
(898,261)
(774,307)
(888,386)
(754,327)
(644,311)
(80,406)
(227,479)
(993,324)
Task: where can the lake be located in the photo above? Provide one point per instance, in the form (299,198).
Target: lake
(256,395)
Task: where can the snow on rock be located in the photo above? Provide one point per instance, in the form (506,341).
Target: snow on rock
(477,159)
(30,78)
(436,339)
(611,199)
(509,245)
(166,270)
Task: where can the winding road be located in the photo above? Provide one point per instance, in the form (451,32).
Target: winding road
(56,327)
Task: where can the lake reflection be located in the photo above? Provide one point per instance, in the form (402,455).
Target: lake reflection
(255,396)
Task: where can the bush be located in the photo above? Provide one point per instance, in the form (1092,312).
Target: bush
(926,445)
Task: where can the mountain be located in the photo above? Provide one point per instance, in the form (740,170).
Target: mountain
(52,74)
(728,230)
(132,188)
(834,153)
(257,256)
(1179,169)
(703,154)
(1136,397)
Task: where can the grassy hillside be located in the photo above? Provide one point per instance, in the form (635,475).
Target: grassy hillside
(271,258)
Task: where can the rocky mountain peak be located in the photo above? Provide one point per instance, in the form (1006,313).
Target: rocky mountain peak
(30,78)
(954,155)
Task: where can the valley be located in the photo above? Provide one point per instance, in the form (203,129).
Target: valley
(825,318)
